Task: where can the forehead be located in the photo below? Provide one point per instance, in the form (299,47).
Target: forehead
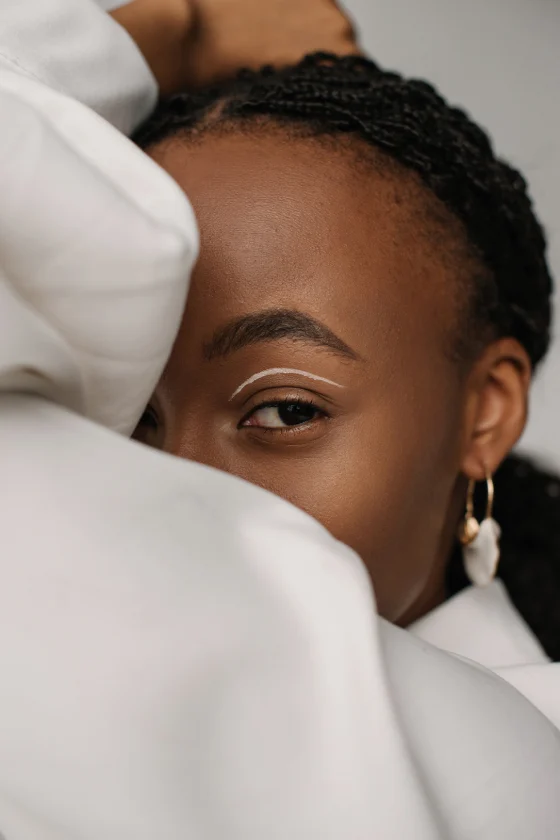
(296,223)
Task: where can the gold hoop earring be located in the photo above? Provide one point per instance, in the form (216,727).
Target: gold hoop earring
(470,526)
(480,540)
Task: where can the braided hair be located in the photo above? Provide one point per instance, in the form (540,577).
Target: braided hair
(341,98)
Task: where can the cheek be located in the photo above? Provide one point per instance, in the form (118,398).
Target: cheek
(394,519)
(381,484)
(409,463)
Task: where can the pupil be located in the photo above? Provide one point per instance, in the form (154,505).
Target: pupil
(293,414)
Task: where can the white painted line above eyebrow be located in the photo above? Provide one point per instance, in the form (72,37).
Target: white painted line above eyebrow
(276,371)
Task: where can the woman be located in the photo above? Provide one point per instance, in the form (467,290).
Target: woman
(170,662)
(371,302)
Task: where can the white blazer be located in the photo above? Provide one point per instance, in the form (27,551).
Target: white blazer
(75,48)
(183,655)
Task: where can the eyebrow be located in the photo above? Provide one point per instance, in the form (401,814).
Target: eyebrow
(273,325)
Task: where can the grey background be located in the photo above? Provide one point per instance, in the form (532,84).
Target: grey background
(500,59)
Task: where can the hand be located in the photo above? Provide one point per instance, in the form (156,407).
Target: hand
(227,35)
(191,43)
(162,31)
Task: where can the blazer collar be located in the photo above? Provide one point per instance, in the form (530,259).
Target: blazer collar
(483,625)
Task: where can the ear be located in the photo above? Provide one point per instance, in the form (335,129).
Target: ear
(496,407)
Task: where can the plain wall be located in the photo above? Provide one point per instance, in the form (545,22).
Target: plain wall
(499,59)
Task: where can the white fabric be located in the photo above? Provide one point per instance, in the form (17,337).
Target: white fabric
(195,683)
(76,48)
(485,774)
(540,684)
(84,213)
(182,654)
(185,655)
(481,623)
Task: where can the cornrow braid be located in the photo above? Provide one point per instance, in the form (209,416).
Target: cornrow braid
(413,125)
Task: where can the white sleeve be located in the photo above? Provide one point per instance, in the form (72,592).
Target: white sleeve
(74,47)
(540,684)
(89,309)
(185,655)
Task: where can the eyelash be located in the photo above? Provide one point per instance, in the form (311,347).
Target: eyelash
(151,420)
(306,403)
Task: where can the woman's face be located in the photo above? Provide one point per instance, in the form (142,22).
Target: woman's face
(313,357)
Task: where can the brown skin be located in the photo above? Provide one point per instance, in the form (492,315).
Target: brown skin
(290,224)
(229,34)
(191,43)
(162,31)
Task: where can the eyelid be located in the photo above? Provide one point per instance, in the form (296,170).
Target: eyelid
(289,392)
(284,372)
(286,393)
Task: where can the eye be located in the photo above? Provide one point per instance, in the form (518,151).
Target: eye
(148,429)
(149,419)
(282,414)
